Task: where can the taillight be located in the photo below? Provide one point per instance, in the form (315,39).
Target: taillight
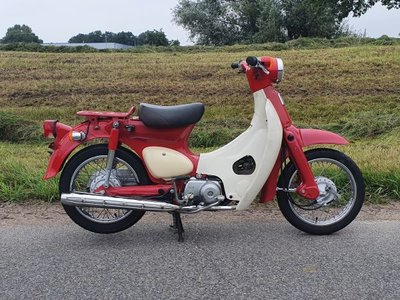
(50,129)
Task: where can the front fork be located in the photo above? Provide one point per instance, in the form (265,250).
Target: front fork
(112,147)
(308,187)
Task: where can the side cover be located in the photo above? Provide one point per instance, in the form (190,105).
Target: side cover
(262,141)
(166,163)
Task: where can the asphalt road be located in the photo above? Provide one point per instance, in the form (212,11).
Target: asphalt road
(224,257)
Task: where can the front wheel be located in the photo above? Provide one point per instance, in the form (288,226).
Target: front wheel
(341,187)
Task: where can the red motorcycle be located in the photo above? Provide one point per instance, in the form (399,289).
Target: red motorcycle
(146,164)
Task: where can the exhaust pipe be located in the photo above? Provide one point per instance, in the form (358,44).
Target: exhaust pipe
(75,199)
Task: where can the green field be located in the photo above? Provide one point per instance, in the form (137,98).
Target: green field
(354,91)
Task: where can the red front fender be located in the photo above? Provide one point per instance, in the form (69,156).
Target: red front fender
(311,137)
(305,137)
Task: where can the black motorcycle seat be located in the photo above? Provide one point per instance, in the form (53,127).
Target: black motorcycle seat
(156,116)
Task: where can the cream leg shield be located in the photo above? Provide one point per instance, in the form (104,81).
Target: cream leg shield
(262,140)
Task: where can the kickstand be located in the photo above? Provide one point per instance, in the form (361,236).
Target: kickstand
(177,225)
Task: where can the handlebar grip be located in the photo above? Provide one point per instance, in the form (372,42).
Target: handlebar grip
(252,61)
(235,66)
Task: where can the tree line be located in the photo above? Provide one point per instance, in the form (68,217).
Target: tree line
(23,34)
(227,22)
(149,37)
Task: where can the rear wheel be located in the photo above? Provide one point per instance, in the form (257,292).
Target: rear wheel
(85,172)
(342,192)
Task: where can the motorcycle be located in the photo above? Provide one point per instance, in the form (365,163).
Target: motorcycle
(146,164)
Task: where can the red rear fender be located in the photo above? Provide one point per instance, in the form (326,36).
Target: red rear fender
(58,158)
(63,146)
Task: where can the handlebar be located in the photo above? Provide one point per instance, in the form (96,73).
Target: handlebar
(251,61)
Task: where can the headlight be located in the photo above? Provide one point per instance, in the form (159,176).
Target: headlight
(280,70)
(274,66)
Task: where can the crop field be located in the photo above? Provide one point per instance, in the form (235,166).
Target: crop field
(354,91)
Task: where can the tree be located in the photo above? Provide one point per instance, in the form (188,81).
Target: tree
(247,13)
(150,37)
(310,18)
(222,22)
(79,38)
(174,43)
(92,37)
(358,7)
(96,37)
(20,34)
(270,24)
(153,38)
(210,22)
(127,38)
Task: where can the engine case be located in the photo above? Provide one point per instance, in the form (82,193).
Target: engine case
(200,191)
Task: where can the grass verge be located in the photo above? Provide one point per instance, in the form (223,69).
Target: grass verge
(22,167)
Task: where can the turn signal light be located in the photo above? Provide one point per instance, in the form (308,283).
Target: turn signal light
(76,136)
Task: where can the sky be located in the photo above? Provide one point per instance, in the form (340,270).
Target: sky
(59,20)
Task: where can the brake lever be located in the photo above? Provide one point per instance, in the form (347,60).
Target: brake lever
(262,68)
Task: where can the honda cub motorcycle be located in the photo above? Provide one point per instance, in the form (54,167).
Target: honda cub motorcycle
(146,164)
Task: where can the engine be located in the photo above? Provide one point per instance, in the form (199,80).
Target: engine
(200,191)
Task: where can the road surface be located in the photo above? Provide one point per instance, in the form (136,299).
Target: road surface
(247,255)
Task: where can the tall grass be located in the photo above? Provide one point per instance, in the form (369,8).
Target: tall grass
(14,128)
(22,167)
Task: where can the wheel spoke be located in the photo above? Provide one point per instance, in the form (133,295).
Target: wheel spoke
(340,178)
(91,175)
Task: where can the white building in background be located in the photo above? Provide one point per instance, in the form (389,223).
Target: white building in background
(99,46)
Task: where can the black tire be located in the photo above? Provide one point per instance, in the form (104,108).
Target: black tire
(79,215)
(293,206)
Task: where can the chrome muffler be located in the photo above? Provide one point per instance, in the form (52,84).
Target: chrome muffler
(100,201)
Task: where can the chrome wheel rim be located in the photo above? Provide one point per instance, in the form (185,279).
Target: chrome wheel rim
(329,208)
(89,176)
